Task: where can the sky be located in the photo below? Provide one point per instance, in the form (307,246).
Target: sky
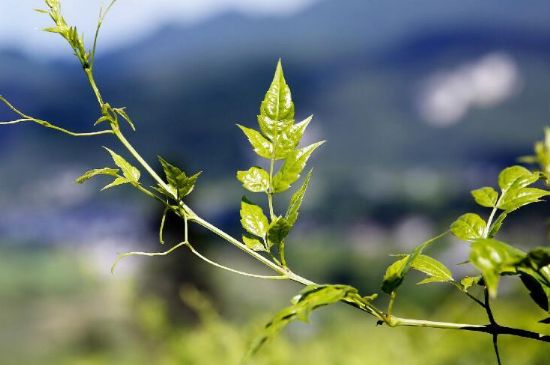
(19,25)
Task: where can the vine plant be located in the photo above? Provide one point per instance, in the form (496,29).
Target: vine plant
(265,233)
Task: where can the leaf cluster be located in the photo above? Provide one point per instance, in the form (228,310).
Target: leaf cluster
(278,141)
(494,258)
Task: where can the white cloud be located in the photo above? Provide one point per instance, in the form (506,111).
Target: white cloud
(448,95)
(129,19)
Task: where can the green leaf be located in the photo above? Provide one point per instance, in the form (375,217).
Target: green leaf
(497,224)
(118,181)
(468,227)
(515,177)
(296,201)
(124,115)
(254,179)
(493,258)
(395,273)
(292,167)
(277,108)
(178,180)
(519,197)
(130,172)
(253,219)
(287,139)
(277,232)
(260,144)
(309,299)
(436,271)
(253,242)
(486,196)
(91,173)
(467,282)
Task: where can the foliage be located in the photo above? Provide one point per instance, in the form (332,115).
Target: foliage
(278,142)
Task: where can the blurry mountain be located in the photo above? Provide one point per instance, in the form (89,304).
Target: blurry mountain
(360,66)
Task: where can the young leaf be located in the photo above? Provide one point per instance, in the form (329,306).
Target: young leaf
(177,179)
(486,196)
(497,224)
(296,201)
(518,197)
(467,282)
(254,179)
(468,227)
(253,219)
(493,258)
(309,299)
(260,144)
(277,108)
(436,271)
(91,173)
(118,181)
(292,167)
(130,172)
(277,232)
(515,177)
(395,273)
(124,115)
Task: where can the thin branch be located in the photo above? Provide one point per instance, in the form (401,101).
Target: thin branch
(26,118)
(102,15)
(139,253)
(270,277)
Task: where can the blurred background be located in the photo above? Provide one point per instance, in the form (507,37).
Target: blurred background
(420,102)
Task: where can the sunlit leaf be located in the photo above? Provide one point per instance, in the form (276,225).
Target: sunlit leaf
(468,227)
(130,172)
(253,219)
(486,196)
(254,179)
(296,201)
(259,143)
(91,173)
(292,167)
(436,270)
(493,258)
(309,299)
(277,108)
(515,177)
(518,197)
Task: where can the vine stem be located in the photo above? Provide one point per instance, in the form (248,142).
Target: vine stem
(390,320)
